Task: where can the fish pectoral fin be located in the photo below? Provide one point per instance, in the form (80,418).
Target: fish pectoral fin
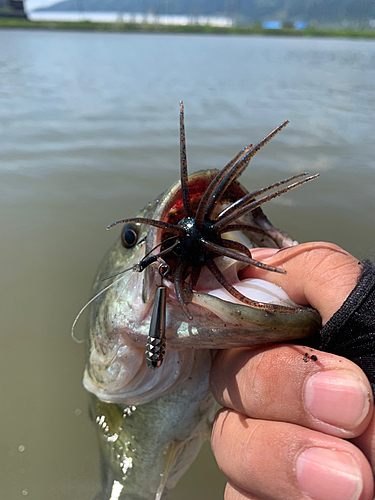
(170,452)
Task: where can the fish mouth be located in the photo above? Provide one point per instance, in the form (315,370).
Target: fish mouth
(211,307)
(237,274)
(171,210)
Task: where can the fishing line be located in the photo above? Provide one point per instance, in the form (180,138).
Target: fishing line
(90,301)
(120,291)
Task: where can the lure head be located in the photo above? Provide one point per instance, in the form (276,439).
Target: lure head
(190,248)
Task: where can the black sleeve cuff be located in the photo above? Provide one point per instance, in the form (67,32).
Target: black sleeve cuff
(351,330)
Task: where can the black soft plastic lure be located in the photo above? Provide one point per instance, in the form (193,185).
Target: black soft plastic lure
(197,238)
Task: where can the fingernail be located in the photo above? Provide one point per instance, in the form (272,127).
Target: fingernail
(337,397)
(328,475)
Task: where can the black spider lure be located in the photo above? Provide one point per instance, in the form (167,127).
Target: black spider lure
(196,239)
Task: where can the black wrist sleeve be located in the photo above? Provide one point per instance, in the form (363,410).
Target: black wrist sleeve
(351,330)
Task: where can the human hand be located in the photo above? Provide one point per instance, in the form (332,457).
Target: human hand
(292,428)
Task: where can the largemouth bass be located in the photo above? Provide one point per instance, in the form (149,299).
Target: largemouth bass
(171,287)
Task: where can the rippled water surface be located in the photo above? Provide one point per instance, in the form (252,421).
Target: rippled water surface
(88,135)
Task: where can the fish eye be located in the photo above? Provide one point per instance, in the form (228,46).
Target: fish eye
(129,235)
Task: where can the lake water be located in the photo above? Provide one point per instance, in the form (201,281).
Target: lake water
(88,135)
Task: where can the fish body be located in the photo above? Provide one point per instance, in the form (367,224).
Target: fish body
(152,423)
(146,448)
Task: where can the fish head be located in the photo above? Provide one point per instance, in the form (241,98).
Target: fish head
(116,369)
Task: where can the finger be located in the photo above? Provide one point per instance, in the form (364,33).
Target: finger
(366,443)
(278,461)
(283,383)
(318,274)
(234,492)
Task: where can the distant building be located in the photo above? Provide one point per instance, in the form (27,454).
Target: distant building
(126,17)
(299,25)
(222,22)
(12,8)
(272,25)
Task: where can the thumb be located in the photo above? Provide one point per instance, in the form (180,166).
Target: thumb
(318,274)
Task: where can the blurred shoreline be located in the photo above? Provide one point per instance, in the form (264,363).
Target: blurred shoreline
(126,27)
